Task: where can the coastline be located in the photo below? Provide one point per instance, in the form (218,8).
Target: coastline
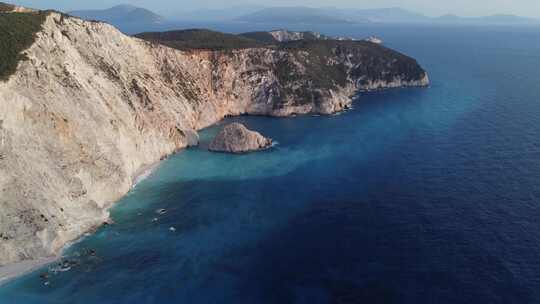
(13,271)
(104,42)
(144,172)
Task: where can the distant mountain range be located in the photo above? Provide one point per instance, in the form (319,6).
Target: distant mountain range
(493,19)
(132,19)
(120,14)
(217,14)
(306,15)
(386,15)
(292,15)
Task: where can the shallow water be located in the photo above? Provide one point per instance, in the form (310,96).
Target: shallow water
(415,196)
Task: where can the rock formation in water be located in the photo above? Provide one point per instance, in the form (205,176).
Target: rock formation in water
(236,138)
(83,107)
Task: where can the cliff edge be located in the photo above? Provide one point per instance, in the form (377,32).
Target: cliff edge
(83,107)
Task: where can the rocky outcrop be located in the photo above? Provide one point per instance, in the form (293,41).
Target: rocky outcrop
(299,77)
(88,107)
(236,138)
(286,36)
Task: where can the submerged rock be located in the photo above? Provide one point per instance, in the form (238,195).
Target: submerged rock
(236,138)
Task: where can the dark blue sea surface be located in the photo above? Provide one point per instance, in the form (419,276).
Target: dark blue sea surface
(425,195)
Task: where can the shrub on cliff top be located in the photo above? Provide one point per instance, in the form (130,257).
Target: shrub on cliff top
(378,62)
(17,32)
(263,37)
(200,39)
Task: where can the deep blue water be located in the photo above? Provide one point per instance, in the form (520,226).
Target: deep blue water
(415,196)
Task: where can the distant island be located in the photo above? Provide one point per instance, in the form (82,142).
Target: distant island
(382,15)
(293,15)
(132,19)
(120,14)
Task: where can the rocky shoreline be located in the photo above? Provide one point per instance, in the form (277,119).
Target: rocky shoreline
(12,271)
(90,107)
(15,270)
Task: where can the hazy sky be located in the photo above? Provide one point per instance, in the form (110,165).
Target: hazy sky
(529,8)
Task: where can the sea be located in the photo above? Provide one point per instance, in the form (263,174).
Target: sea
(419,195)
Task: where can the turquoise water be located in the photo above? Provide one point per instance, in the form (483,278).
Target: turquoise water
(414,196)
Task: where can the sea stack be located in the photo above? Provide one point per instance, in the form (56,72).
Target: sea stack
(236,138)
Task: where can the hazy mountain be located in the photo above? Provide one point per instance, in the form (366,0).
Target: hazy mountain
(394,15)
(133,19)
(293,15)
(120,14)
(225,14)
(448,18)
(493,19)
(399,15)
(330,15)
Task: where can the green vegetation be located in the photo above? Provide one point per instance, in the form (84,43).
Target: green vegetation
(325,68)
(311,36)
(318,74)
(322,74)
(298,15)
(377,61)
(307,69)
(200,39)
(17,32)
(263,37)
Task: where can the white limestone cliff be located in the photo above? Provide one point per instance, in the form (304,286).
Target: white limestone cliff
(91,106)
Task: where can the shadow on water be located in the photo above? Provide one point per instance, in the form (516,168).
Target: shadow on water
(416,196)
(402,239)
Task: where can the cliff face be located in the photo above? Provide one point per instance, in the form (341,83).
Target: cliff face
(286,36)
(89,107)
(296,77)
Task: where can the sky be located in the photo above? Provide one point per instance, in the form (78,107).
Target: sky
(529,8)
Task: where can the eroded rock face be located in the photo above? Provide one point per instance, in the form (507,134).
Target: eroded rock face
(285,35)
(236,138)
(91,106)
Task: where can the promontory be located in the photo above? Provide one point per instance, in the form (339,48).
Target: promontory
(83,107)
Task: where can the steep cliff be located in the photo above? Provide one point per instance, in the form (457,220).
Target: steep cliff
(295,77)
(87,107)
